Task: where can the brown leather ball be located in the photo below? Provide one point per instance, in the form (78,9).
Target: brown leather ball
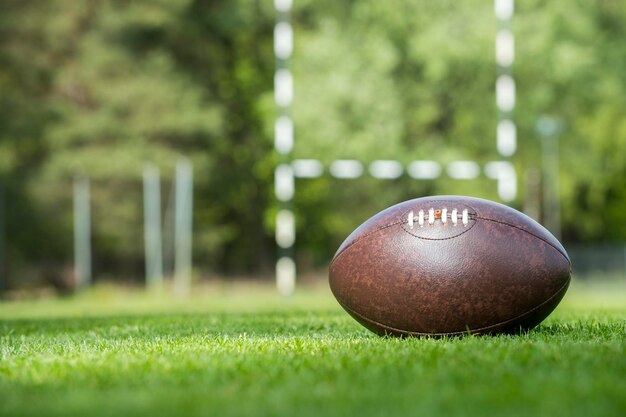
(449,265)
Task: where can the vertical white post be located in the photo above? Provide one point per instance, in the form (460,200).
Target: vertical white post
(548,129)
(506,131)
(551,196)
(82,233)
(283,144)
(152,227)
(183,227)
(168,237)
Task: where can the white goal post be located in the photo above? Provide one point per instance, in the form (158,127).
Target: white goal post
(289,169)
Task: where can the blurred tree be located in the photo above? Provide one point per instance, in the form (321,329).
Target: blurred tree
(100,88)
(572,58)
(124,83)
(403,81)
(26,73)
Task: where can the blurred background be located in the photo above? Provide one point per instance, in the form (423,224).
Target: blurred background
(100,91)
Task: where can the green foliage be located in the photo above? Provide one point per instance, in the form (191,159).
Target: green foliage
(102,88)
(569,58)
(250,354)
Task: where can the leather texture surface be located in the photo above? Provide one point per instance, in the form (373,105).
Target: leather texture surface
(499,272)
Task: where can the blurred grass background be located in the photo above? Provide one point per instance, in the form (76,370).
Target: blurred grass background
(243,351)
(241,296)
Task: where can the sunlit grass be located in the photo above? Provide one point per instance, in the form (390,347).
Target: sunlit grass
(231,351)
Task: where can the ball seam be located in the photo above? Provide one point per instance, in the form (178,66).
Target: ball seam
(530,233)
(443,238)
(337,255)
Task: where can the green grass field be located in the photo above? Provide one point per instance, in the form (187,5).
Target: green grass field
(245,352)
